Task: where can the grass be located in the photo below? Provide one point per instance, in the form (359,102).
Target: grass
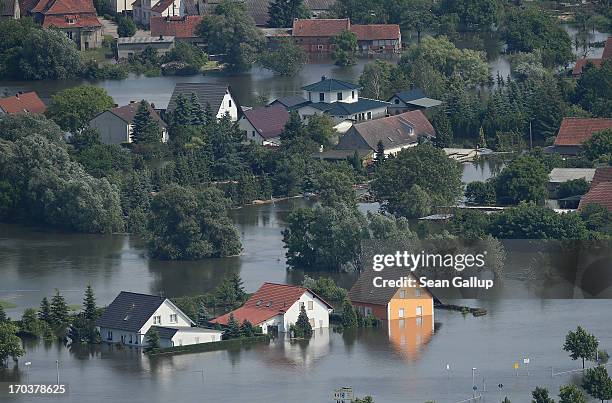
(7,304)
(98,54)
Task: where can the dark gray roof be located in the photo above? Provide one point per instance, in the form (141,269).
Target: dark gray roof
(129,311)
(165,332)
(290,101)
(417,97)
(207,93)
(330,84)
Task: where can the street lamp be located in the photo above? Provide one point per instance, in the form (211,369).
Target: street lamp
(27,364)
(57,367)
(474,382)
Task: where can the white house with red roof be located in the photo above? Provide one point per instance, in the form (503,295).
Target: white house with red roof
(275,307)
(143,10)
(76,18)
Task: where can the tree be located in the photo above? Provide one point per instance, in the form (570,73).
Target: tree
(125,27)
(334,188)
(320,129)
(44,312)
(203,315)
(187,53)
(3,317)
(595,216)
(59,310)
(145,129)
(232,33)
(418,16)
(10,344)
(230,293)
(482,193)
(506,400)
(524,179)
(474,15)
(83,330)
(349,316)
(593,88)
(394,181)
(247,329)
(90,311)
(302,328)
(73,108)
(33,326)
(344,48)
(571,394)
(282,13)
(599,146)
(581,344)
(375,80)
(285,58)
(540,395)
(444,131)
(572,187)
(152,340)
(186,224)
(597,383)
(380,155)
(232,331)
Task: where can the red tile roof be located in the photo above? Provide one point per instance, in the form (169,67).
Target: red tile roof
(599,194)
(320,27)
(161,6)
(602,174)
(376,31)
(22,103)
(61,7)
(581,63)
(575,131)
(179,27)
(268,120)
(270,300)
(71,20)
(607,52)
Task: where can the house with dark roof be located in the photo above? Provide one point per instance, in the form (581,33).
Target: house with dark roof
(76,18)
(275,307)
(181,28)
(115,125)
(130,316)
(575,131)
(264,125)
(143,10)
(290,102)
(411,100)
(218,96)
(10,10)
(22,102)
(395,132)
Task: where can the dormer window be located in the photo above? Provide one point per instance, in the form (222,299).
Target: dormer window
(396,101)
(70,20)
(259,302)
(269,304)
(157,320)
(321,97)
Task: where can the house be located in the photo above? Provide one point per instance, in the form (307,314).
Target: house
(258,9)
(120,6)
(181,28)
(602,174)
(264,125)
(597,62)
(143,10)
(10,10)
(130,46)
(130,316)
(395,132)
(378,38)
(340,100)
(22,102)
(560,175)
(410,100)
(575,131)
(115,125)
(391,303)
(218,96)
(275,307)
(315,35)
(291,102)
(26,7)
(600,193)
(76,18)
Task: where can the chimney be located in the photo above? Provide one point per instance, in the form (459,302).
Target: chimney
(323,78)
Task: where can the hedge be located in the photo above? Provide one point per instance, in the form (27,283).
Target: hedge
(212,346)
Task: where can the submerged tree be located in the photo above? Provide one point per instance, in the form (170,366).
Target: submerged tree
(581,344)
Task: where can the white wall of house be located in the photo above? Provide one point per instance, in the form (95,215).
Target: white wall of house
(348,96)
(186,337)
(113,129)
(162,317)
(370,114)
(228,105)
(110,335)
(121,5)
(317,312)
(252,134)
(395,150)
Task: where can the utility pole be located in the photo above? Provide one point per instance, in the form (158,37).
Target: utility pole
(57,367)
(474,387)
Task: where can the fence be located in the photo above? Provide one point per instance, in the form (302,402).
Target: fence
(212,346)
(571,371)
(471,399)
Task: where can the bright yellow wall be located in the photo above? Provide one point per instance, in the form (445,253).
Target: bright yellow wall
(410,303)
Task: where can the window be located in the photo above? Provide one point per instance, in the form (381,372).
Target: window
(396,101)
(109,335)
(173,318)
(369,115)
(259,302)
(321,96)
(401,313)
(368,310)
(310,305)
(130,339)
(353,94)
(417,292)
(157,320)
(253,133)
(419,310)
(229,102)
(402,294)
(339,96)
(310,96)
(419,321)
(301,305)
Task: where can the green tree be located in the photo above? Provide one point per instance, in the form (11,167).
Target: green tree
(444,130)
(285,58)
(581,344)
(230,31)
(203,316)
(73,108)
(33,326)
(232,331)
(125,27)
(145,129)
(418,16)
(59,310)
(482,193)
(540,395)
(395,179)
(571,394)
(344,48)
(187,53)
(599,147)
(597,383)
(335,187)
(595,216)
(90,311)
(186,224)
(325,287)
(282,12)
(572,187)
(10,344)
(152,341)
(375,80)
(524,179)
(230,293)
(3,317)
(593,88)
(82,330)
(475,15)
(349,316)
(302,328)
(44,312)
(380,155)
(247,329)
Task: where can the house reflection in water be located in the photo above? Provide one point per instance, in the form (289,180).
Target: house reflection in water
(410,335)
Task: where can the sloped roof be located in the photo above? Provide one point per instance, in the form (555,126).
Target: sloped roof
(71,21)
(7,8)
(129,111)
(607,52)
(268,120)
(320,27)
(26,6)
(180,27)
(349,108)
(598,194)
(560,175)
(372,32)
(270,300)
(319,5)
(290,101)
(207,93)
(61,7)
(330,84)
(161,6)
(602,174)
(22,103)
(416,97)
(258,11)
(165,332)
(575,131)
(581,63)
(393,131)
(129,311)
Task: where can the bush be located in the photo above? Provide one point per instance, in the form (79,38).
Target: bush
(125,27)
